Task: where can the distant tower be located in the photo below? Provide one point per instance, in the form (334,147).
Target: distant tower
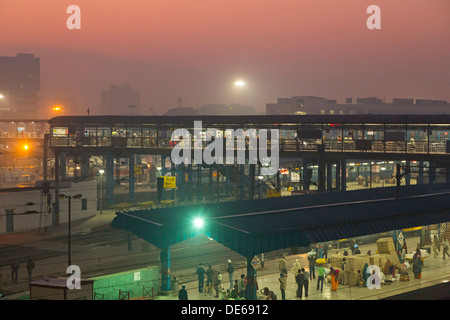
(20,84)
(179,101)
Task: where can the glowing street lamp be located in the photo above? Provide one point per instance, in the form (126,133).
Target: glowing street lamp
(239,84)
(260,178)
(56,108)
(198,223)
(101,171)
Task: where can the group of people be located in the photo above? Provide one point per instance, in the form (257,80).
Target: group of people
(214,279)
(437,247)
(300,274)
(302,277)
(15,266)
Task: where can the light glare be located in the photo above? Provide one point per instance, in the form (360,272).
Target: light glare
(198,222)
(239,83)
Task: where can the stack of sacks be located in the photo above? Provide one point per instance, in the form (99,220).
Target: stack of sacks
(385,245)
(355,263)
(336,261)
(352,278)
(386,249)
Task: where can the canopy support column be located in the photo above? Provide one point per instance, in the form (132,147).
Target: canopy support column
(250,293)
(165,268)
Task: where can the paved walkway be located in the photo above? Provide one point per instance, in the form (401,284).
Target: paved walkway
(435,271)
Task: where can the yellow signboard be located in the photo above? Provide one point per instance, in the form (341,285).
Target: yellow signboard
(273,193)
(170,182)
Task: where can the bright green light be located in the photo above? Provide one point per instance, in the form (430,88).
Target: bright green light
(198,222)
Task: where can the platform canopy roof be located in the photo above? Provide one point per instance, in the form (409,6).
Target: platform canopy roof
(255,226)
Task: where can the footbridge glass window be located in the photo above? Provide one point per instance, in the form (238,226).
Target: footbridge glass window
(104,136)
(395,138)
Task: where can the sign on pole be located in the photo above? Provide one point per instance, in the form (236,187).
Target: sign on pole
(255,262)
(170,182)
(400,238)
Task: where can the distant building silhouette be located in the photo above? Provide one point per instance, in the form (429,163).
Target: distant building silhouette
(212,110)
(303,105)
(181,111)
(19,84)
(120,100)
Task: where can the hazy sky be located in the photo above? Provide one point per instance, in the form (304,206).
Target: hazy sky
(198,48)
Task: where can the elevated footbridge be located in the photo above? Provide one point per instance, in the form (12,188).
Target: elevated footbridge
(327,142)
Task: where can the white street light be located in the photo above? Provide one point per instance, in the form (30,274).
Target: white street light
(198,222)
(101,171)
(239,84)
(260,185)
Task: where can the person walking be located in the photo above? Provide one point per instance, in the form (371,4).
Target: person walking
(236,287)
(436,246)
(445,248)
(305,281)
(320,277)
(325,250)
(300,279)
(417,264)
(283,284)
(334,279)
(201,277)
(30,267)
(209,279)
(14,270)
(230,270)
(217,281)
(282,265)
(182,294)
(312,262)
(241,286)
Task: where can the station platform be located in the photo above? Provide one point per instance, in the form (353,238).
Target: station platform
(436,271)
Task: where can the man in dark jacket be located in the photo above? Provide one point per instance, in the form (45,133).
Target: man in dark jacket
(201,277)
(182,294)
(30,267)
(14,270)
(300,279)
(306,281)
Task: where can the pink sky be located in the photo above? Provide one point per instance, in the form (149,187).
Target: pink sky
(197,48)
